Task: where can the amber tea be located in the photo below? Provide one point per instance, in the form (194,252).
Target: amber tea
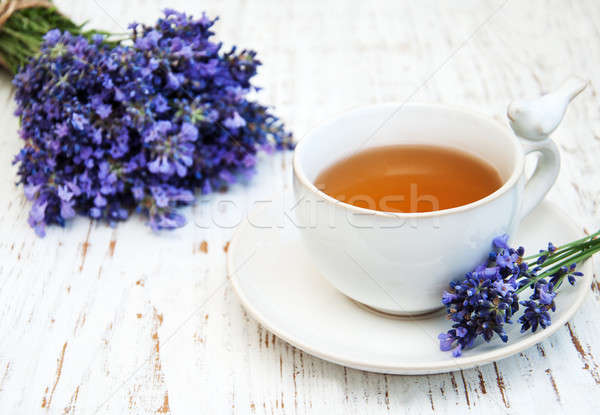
(409,178)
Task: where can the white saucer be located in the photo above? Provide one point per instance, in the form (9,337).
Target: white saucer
(279,286)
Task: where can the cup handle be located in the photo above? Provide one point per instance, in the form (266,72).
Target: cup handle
(533,121)
(543,177)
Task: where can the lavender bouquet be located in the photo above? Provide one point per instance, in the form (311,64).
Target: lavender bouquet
(139,125)
(487,298)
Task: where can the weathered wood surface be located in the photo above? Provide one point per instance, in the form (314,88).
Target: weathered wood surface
(101,320)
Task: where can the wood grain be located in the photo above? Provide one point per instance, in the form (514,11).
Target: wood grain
(96,319)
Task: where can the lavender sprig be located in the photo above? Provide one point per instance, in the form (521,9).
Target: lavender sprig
(487,298)
(109,130)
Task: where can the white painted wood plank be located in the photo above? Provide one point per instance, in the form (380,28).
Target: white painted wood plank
(125,321)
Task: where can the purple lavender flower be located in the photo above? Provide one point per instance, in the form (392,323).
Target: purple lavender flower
(500,242)
(544,293)
(535,315)
(484,300)
(110,129)
(234,122)
(488,297)
(36,217)
(103,110)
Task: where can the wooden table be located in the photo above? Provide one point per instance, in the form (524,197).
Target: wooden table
(96,319)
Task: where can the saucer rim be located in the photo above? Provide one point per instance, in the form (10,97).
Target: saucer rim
(426,366)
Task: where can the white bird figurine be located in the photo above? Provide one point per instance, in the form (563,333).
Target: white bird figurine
(535,119)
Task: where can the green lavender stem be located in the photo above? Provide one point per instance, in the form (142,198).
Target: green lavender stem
(22,34)
(572,253)
(560,256)
(564,247)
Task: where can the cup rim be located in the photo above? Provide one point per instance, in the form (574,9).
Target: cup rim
(508,184)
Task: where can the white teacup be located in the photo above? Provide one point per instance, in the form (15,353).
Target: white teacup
(400,263)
